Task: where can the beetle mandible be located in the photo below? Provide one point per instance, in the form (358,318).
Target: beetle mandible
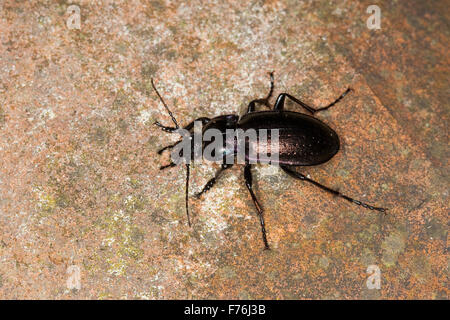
(303,141)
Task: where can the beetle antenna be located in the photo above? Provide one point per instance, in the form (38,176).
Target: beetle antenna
(165,105)
(187,194)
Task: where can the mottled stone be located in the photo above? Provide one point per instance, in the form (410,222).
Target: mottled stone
(85,212)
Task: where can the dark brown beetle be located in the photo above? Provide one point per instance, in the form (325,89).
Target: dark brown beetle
(303,141)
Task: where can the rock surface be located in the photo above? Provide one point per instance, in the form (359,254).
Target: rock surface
(85,212)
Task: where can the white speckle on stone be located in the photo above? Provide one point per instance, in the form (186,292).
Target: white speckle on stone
(108,241)
(144,116)
(47,114)
(337,11)
(267,170)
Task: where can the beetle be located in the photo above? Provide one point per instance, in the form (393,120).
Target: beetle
(304,140)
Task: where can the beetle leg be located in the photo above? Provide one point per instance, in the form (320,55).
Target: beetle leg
(189,126)
(164,128)
(249,184)
(170,165)
(203,120)
(335,101)
(279,104)
(300,176)
(213,181)
(160,151)
(252,105)
(187,195)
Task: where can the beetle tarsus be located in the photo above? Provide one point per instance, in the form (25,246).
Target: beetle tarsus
(300,176)
(213,180)
(170,165)
(335,101)
(249,184)
(265,101)
(165,128)
(160,151)
(279,104)
(187,195)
